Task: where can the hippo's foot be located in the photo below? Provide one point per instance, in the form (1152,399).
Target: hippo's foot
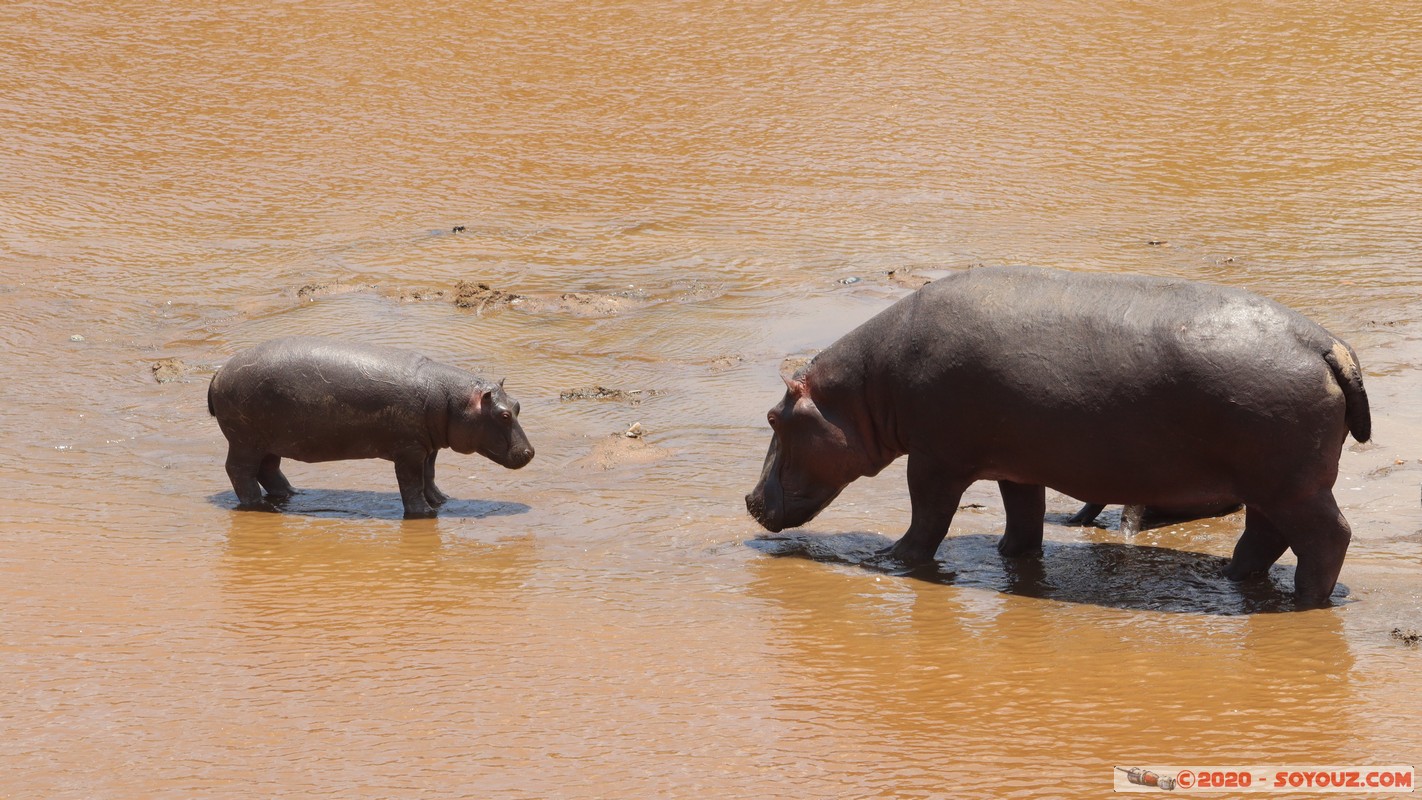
(258,505)
(1237,572)
(425,512)
(899,557)
(1010,547)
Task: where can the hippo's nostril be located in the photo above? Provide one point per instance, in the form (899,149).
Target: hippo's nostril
(755,504)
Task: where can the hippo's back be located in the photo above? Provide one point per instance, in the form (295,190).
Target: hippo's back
(319,399)
(1058,378)
(1119,308)
(1043,328)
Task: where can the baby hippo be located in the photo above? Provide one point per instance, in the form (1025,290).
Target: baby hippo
(315,399)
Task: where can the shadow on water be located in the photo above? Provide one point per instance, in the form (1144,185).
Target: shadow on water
(362,504)
(1112,575)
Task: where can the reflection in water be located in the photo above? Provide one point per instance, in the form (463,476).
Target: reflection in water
(959,687)
(292,569)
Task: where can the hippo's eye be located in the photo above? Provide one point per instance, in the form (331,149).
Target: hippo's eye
(505,416)
(773,418)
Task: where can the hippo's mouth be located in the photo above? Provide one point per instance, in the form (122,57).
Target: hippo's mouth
(755,504)
(513,458)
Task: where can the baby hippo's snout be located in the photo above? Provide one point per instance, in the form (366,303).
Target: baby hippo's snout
(519,451)
(519,456)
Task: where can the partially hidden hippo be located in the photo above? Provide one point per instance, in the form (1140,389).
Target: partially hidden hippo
(1108,388)
(1136,518)
(314,399)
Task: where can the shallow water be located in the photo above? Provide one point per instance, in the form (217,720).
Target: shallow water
(740,180)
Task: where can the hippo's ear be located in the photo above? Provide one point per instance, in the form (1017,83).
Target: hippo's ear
(501,382)
(797,387)
(476,397)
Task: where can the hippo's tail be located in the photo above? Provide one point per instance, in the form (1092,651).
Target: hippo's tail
(1344,363)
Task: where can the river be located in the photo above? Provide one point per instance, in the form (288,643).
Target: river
(686,194)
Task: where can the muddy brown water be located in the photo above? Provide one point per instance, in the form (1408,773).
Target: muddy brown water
(690,192)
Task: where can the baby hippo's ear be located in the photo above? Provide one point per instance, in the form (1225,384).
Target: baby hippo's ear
(476,399)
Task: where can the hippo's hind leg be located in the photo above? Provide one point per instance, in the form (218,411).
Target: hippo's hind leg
(1086,515)
(432,493)
(1025,504)
(1132,517)
(1319,536)
(269,475)
(243,466)
(410,473)
(1258,547)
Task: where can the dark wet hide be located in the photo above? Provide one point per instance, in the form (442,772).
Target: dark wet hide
(357,504)
(1113,575)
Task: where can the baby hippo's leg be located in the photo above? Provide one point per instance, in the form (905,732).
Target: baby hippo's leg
(244,464)
(410,473)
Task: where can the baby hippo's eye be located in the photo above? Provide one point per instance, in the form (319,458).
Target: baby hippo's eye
(505,416)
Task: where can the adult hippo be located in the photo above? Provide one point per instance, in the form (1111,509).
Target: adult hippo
(1109,388)
(315,399)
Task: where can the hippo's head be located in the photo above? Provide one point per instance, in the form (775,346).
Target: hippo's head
(486,422)
(814,453)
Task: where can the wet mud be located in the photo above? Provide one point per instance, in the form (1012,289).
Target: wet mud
(168,370)
(618,450)
(630,396)
(482,298)
(724,362)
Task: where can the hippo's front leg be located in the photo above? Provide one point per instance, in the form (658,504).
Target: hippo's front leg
(1025,505)
(934,498)
(433,495)
(410,473)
